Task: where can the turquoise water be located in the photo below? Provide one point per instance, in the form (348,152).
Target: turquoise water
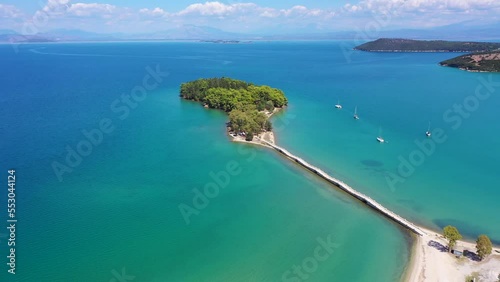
(456,182)
(118,210)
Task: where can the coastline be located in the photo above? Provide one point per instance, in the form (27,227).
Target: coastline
(428,261)
(466,69)
(410,51)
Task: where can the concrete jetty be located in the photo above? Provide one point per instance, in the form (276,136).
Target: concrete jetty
(346,188)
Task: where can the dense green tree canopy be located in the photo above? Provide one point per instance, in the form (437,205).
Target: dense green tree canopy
(483,246)
(452,235)
(224,93)
(242,100)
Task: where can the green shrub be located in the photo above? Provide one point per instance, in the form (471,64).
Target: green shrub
(249,136)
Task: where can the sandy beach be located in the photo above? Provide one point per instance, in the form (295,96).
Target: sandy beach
(266,135)
(431,262)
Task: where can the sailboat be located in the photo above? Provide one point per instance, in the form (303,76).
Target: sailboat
(338,105)
(379,138)
(356,112)
(428,132)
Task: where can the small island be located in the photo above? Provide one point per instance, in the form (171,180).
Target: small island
(409,45)
(249,106)
(476,62)
(225,41)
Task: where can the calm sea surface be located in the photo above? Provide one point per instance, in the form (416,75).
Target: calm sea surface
(113,210)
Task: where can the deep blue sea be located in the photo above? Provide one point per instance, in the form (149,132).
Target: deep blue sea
(110,162)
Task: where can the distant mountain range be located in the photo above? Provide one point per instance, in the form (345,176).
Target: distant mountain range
(461,31)
(186,32)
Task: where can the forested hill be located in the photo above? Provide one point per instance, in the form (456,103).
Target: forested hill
(408,45)
(245,102)
(484,62)
(227,94)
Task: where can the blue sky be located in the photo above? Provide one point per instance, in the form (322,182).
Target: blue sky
(246,16)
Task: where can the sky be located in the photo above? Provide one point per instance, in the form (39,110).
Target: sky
(242,16)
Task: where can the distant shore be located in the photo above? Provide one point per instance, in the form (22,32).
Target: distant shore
(412,51)
(412,45)
(479,57)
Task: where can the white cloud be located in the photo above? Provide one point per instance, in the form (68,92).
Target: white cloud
(302,11)
(9,11)
(91,9)
(420,13)
(351,8)
(156,12)
(269,13)
(52,8)
(218,9)
(297,10)
(238,16)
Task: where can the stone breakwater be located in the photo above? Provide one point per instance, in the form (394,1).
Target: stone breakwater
(349,190)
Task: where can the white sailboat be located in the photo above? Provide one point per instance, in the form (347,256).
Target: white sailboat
(379,138)
(356,113)
(338,105)
(428,132)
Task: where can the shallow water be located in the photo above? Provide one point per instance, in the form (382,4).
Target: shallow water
(118,210)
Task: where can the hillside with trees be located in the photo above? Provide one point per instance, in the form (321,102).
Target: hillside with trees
(484,62)
(245,102)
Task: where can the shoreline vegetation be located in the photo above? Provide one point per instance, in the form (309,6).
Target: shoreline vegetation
(481,57)
(246,103)
(249,106)
(476,62)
